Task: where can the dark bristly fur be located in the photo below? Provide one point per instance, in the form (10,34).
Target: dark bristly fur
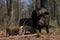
(36,17)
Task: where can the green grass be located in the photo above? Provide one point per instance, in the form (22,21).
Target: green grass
(38,33)
(53,23)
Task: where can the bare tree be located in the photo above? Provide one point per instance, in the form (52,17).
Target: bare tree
(44,3)
(9,11)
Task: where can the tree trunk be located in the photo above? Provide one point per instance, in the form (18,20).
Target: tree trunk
(36,4)
(44,3)
(9,10)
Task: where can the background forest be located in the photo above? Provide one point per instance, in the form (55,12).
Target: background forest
(11,11)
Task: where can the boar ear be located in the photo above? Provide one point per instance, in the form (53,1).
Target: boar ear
(46,13)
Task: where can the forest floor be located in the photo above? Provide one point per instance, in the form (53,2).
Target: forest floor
(54,34)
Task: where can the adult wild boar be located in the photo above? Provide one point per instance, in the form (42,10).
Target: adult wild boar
(40,19)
